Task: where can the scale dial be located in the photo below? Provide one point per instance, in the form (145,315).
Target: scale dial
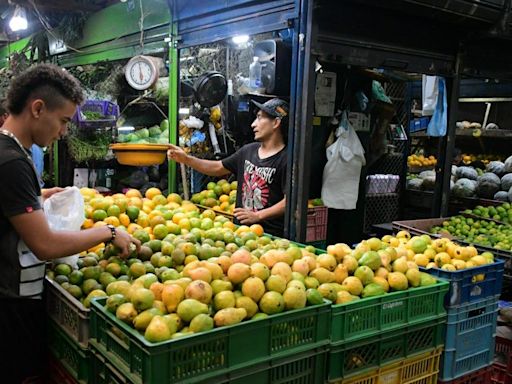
(141,72)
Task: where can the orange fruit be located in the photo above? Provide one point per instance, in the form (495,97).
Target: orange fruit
(208,213)
(88,223)
(133,193)
(99,215)
(159,200)
(156,220)
(143,221)
(229,225)
(224,198)
(152,192)
(185,224)
(257,229)
(135,202)
(177,217)
(112,220)
(132,227)
(174,198)
(99,224)
(124,219)
(160,231)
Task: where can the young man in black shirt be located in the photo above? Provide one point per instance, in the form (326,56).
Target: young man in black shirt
(260,169)
(41,102)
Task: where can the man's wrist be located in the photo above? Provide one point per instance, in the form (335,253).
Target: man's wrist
(112,232)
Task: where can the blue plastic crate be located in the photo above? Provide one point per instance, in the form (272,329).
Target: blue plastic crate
(464,285)
(452,368)
(469,341)
(418,124)
(470,327)
(108,109)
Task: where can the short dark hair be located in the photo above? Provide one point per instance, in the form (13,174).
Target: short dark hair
(47,82)
(3,107)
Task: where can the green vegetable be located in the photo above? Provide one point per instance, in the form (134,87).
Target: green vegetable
(91,115)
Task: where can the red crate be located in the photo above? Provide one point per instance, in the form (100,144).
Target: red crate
(317,224)
(503,353)
(500,375)
(57,374)
(482,376)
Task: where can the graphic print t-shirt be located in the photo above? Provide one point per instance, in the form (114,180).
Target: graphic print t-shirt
(21,273)
(261,182)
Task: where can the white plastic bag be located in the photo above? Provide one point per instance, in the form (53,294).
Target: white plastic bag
(429,94)
(345,157)
(65,212)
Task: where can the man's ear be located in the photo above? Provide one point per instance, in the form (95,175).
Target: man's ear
(36,107)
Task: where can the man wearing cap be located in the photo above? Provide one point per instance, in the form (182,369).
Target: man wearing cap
(260,168)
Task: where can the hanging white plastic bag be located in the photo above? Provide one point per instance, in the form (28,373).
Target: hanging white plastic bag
(65,212)
(439,121)
(345,157)
(429,94)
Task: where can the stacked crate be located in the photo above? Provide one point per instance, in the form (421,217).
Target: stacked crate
(472,307)
(67,335)
(398,336)
(290,347)
(502,367)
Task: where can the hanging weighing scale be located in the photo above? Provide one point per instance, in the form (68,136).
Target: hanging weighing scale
(142,72)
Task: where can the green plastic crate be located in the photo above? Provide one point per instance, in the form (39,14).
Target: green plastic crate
(67,311)
(302,368)
(74,358)
(348,359)
(204,355)
(366,317)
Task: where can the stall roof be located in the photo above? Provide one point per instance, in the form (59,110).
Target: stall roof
(206,21)
(417,36)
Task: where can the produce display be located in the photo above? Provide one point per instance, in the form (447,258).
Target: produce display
(196,271)
(415,160)
(468,158)
(502,213)
(220,196)
(494,182)
(482,232)
(153,135)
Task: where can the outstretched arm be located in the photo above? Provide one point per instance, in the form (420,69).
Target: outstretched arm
(207,167)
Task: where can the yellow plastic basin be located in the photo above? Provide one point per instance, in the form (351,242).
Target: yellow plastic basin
(140,154)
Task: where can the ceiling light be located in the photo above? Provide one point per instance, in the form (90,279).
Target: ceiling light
(240,39)
(18,21)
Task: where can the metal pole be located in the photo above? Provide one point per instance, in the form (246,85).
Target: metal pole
(56,163)
(173,99)
(302,133)
(450,141)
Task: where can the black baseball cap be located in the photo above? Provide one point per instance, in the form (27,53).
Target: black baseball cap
(274,107)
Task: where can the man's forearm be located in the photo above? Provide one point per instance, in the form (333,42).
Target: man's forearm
(208,167)
(273,211)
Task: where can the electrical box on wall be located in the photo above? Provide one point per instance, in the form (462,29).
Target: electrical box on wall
(275,57)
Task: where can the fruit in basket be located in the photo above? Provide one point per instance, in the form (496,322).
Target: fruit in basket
(158,330)
(373,289)
(415,160)
(229,316)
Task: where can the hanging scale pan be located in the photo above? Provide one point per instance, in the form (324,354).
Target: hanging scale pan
(210,89)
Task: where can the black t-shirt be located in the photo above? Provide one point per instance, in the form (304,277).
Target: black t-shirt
(21,273)
(261,182)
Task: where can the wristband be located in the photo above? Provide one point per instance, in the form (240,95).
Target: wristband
(113,231)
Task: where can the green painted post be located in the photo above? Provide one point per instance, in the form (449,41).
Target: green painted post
(56,163)
(173,102)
